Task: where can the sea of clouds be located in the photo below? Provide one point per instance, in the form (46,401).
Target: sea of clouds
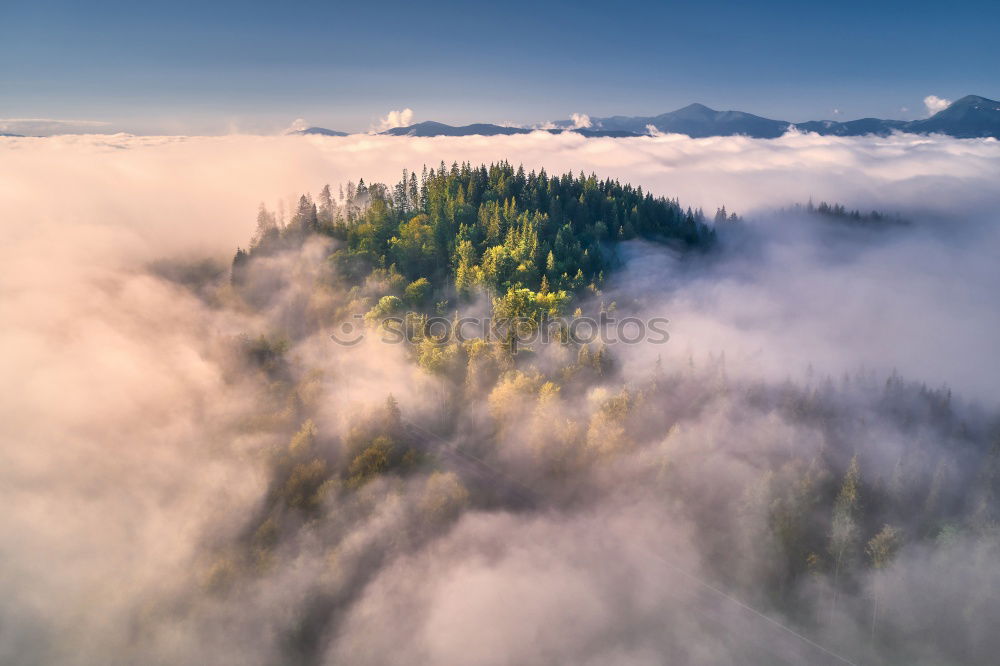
(117,445)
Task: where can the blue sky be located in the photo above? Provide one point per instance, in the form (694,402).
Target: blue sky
(213,67)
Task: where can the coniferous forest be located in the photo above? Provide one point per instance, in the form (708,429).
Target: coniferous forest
(851,471)
(463,228)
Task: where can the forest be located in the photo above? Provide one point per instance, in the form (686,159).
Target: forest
(849,472)
(527,239)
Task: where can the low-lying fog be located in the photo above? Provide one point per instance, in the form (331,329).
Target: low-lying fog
(130,455)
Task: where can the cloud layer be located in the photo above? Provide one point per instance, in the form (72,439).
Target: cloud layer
(130,452)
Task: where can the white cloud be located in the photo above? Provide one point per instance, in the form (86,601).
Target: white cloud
(935,104)
(580,120)
(150,480)
(395,118)
(297,125)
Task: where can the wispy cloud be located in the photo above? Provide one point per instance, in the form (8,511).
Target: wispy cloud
(297,125)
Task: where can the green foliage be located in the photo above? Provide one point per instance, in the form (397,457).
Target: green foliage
(438,358)
(844,524)
(386,306)
(302,488)
(525,304)
(844,527)
(304,440)
(372,461)
(413,247)
(882,547)
(417,292)
(495,227)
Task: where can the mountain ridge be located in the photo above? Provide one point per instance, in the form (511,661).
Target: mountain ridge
(972,116)
(320,131)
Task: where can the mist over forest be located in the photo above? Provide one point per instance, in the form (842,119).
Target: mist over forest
(807,470)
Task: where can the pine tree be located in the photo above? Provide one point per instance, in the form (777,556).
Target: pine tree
(844,524)
(326,207)
(881,549)
(237,275)
(267,230)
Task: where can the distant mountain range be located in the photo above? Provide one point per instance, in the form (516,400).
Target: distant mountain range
(695,120)
(322,131)
(970,117)
(431,128)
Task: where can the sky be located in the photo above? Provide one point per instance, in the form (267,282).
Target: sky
(222,67)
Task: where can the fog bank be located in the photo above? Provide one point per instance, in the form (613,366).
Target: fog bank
(138,448)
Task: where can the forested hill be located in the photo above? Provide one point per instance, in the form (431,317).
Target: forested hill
(455,230)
